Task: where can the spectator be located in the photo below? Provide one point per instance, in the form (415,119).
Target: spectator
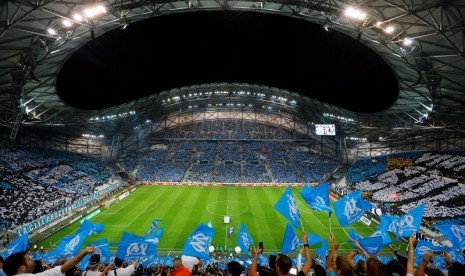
(234,268)
(375,267)
(22,263)
(180,269)
(395,268)
(94,265)
(120,270)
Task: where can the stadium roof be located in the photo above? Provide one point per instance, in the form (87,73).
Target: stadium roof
(325,49)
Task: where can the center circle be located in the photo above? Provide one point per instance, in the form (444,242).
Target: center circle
(227,208)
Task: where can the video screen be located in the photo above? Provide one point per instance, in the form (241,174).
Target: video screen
(329,129)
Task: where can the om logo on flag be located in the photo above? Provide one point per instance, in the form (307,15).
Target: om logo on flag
(293,211)
(136,249)
(458,231)
(351,210)
(245,239)
(69,249)
(199,242)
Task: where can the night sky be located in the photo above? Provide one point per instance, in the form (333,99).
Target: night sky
(182,49)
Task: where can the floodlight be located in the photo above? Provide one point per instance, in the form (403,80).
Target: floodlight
(389,29)
(77,17)
(51,31)
(407,41)
(66,23)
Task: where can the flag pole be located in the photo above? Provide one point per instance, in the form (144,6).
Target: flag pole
(301,224)
(330,228)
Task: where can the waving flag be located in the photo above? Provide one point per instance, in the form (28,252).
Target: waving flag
(244,239)
(389,223)
(454,233)
(371,245)
(317,197)
(91,227)
(198,242)
(82,265)
(70,245)
(51,257)
(313,239)
(410,222)
(18,245)
(323,250)
(351,208)
(287,206)
(383,234)
(155,238)
(424,247)
(455,255)
(153,227)
(290,242)
(101,248)
(132,247)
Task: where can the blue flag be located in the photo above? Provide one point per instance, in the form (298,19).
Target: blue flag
(389,223)
(424,247)
(455,255)
(198,242)
(155,237)
(454,233)
(287,206)
(153,227)
(371,245)
(132,247)
(351,208)
(317,197)
(18,245)
(313,239)
(71,245)
(410,222)
(290,242)
(386,240)
(244,239)
(323,250)
(101,248)
(52,256)
(82,265)
(91,227)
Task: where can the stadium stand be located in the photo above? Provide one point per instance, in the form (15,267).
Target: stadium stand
(403,181)
(36,182)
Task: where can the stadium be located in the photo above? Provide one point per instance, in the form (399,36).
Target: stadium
(154,119)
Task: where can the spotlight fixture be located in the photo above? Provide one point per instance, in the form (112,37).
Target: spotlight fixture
(355,13)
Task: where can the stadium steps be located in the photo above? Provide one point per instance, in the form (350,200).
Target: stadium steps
(188,171)
(269,172)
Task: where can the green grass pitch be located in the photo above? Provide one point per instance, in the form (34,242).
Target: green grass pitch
(182,208)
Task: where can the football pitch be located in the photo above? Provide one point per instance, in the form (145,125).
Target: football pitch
(182,208)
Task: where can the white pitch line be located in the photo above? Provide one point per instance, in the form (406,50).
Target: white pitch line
(314,215)
(145,209)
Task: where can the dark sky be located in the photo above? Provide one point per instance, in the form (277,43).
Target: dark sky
(182,49)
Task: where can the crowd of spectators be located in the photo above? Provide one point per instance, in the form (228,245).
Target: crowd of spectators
(229,162)
(35,182)
(230,129)
(431,178)
(308,259)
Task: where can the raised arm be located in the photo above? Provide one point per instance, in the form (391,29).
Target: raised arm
(107,268)
(360,249)
(308,258)
(331,258)
(75,260)
(411,248)
(253,266)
